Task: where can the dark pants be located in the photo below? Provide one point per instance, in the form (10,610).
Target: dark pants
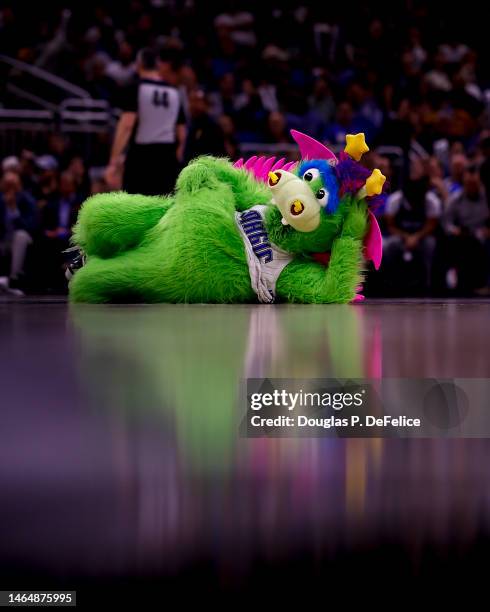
(150,169)
(49,270)
(13,253)
(395,256)
(470,257)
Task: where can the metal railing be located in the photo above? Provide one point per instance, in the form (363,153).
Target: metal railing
(54,104)
(85,115)
(35,85)
(24,129)
(30,129)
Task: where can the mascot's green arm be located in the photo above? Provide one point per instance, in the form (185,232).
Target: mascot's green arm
(210,172)
(110,223)
(309,282)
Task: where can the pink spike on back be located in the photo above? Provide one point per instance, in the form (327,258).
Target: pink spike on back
(279,164)
(259,167)
(266,168)
(311,148)
(250,162)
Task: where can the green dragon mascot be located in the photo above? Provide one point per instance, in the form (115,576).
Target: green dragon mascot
(261,230)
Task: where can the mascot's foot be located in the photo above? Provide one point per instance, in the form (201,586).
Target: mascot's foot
(75,259)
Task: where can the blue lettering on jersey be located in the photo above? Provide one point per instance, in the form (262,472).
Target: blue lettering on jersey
(254,229)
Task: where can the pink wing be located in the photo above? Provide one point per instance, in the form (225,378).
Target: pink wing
(373,250)
(261,166)
(373,242)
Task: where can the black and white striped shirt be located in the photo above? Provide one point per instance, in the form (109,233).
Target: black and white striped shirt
(159,109)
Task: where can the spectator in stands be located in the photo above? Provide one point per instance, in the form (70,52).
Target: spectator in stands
(100,85)
(436,179)
(398,130)
(11,164)
(57,150)
(412,216)
(346,122)
(437,78)
(453,51)
(368,110)
(299,115)
(416,47)
(321,100)
(153,124)
(77,169)
(250,113)
(57,219)
(230,142)
(122,70)
(468,244)
(28,171)
(485,166)
(18,223)
(205,136)
(277,128)
(223,101)
(457,167)
(47,183)
(60,213)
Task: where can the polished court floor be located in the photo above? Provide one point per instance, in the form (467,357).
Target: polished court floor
(120,452)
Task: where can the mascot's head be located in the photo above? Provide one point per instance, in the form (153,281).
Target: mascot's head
(303,195)
(312,199)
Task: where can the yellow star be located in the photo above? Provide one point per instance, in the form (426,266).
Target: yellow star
(374,184)
(356,145)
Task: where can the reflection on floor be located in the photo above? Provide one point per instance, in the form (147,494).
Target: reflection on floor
(119,447)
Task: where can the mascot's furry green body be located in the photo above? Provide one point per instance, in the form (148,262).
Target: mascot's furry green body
(235,233)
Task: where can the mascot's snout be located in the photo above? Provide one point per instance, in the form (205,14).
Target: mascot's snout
(299,207)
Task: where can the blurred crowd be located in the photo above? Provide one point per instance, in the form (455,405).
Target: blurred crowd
(40,197)
(413,76)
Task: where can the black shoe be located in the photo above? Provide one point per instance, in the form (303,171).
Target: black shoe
(75,259)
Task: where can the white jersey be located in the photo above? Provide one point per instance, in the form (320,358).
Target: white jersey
(265,260)
(159,110)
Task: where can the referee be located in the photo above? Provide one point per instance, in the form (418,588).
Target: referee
(153,124)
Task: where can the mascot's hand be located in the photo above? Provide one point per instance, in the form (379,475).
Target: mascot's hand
(355,223)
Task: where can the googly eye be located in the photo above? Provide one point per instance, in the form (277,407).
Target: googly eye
(322,196)
(311,174)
